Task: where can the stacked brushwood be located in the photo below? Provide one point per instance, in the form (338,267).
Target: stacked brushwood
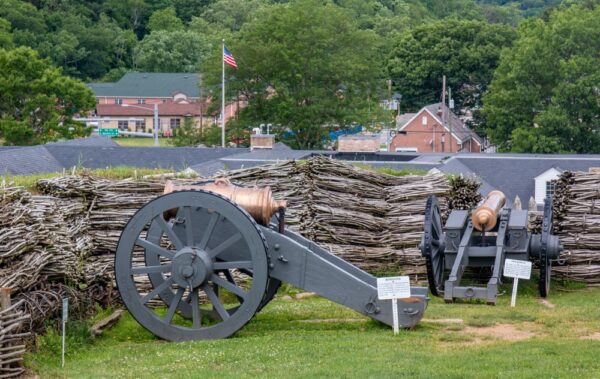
(13,325)
(61,241)
(370,219)
(576,207)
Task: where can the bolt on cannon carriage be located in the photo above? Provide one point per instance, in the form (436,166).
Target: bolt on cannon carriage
(215,254)
(484,237)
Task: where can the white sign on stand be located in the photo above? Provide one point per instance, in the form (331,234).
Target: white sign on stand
(65,316)
(514,268)
(393,288)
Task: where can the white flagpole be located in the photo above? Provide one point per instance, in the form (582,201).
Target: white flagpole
(223,96)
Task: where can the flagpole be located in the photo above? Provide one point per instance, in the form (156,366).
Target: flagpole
(223,95)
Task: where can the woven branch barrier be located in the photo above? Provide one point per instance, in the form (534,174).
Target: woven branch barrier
(576,207)
(13,331)
(61,240)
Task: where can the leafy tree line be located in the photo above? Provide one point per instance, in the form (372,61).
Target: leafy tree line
(95,40)
(310,66)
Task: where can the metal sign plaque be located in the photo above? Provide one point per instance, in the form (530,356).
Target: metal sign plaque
(393,287)
(514,268)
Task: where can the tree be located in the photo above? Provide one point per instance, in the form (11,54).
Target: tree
(545,95)
(467,52)
(6,39)
(37,103)
(186,9)
(177,51)
(304,66)
(232,14)
(165,19)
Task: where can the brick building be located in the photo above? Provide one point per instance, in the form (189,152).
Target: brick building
(128,103)
(424,132)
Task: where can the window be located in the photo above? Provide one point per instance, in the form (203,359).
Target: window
(140,126)
(407,150)
(123,124)
(118,101)
(175,123)
(424,120)
(550,187)
(141,101)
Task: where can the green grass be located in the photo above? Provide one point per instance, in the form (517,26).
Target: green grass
(279,343)
(391,171)
(141,141)
(123,172)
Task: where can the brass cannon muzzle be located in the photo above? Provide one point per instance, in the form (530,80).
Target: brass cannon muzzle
(259,202)
(485,216)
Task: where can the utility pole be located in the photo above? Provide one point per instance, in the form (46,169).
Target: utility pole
(444,108)
(449,110)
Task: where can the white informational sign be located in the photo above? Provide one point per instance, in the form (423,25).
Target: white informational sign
(516,269)
(393,288)
(65,316)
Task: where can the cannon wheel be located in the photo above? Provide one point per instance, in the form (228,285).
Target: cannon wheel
(433,246)
(194,262)
(545,262)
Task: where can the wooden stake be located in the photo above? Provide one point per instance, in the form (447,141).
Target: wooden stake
(5,302)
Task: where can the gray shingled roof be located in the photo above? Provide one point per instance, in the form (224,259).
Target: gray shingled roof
(176,158)
(514,174)
(150,84)
(459,129)
(27,161)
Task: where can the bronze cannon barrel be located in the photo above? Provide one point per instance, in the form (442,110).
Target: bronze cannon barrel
(259,202)
(485,216)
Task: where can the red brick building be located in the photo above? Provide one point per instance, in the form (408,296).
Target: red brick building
(425,132)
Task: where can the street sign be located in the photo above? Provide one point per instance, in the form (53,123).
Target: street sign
(394,288)
(110,132)
(514,268)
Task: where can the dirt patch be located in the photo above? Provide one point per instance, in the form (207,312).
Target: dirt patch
(443,320)
(593,336)
(506,332)
(547,304)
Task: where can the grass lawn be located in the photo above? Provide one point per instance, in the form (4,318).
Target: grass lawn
(142,141)
(122,172)
(313,337)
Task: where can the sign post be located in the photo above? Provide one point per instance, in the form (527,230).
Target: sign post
(393,288)
(514,268)
(65,315)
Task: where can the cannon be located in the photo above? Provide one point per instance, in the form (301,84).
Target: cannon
(483,238)
(215,254)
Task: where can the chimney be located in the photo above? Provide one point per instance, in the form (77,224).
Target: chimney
(440,112)
(262,141)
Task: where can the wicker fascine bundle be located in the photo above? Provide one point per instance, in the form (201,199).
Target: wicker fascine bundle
(576,206)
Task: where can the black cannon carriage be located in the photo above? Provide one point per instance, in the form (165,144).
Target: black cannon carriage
(484,237)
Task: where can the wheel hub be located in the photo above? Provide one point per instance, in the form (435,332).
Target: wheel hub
(191,267)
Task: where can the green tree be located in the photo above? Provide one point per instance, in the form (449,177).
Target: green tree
(467,52)
(37,102)
(165,19)
(304,66)
(545,95)
(177,51)
(6,39)
(232,14)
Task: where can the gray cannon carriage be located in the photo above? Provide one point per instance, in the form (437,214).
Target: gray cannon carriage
(215,254)
(483,238)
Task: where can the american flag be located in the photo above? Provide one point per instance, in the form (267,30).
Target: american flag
(228,58)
